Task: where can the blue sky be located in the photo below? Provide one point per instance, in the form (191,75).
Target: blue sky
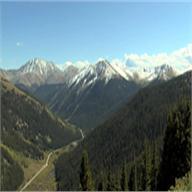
(86,31)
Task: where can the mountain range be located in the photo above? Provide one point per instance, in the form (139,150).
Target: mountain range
(86,96)
(118,105)
(38,72)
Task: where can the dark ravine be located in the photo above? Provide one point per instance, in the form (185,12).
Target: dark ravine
(90,107)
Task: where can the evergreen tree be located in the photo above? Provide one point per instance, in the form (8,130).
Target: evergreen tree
(148,166)
(112,183)
(143,177)
(108,186)
(176,156)
(102,182)
(124,179)
(100,186)
(131,183)
(154,168)
(148,175)
(85,174)
(135,174)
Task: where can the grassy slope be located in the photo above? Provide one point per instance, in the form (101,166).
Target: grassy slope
(46,181)
(28,165)
(30,129)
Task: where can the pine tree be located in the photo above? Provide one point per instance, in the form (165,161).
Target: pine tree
(102,182)
(112,182)
(100,186)
(148,166)
(85,174)
(154,168)
(145,170)
(131,183)
(124,179)
(176,156)
(135,174)
(108,186)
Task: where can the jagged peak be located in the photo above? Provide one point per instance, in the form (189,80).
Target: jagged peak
(164,72)
(38,66)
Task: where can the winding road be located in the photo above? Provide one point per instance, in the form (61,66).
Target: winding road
(47,163)
(82,135)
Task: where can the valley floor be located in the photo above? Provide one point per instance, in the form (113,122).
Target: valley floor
(40,175)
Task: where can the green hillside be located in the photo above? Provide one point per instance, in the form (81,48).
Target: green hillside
(127,136)
(29,129)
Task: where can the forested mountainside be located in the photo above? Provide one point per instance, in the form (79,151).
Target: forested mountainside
(28,128)
(97,91)
(90,106)
(126,137)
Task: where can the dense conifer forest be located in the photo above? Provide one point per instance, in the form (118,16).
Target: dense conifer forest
(132,149)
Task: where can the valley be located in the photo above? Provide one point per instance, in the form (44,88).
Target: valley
(95,95)
(124,121)
(44,179)
(86,96)
(132,135)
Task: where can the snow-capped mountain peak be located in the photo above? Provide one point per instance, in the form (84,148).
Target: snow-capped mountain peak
(164,72)
(102,65)
(39,67)
(102,70)
(161,72)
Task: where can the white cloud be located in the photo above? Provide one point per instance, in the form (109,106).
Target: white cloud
(180,59)
(81,64)
(19,44)
(78,64)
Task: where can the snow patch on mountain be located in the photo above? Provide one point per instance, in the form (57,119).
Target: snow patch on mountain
(102,70)
(132,67)
(78,64)
(38,66)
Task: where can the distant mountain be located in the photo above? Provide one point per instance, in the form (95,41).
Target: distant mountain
(69,72)
(38,72)
(40,67)
(91,96)
(163,72)
(102,70)
(86,96)
(180,60)
(28,128)
(106,70)
(96,91)
(122,137)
